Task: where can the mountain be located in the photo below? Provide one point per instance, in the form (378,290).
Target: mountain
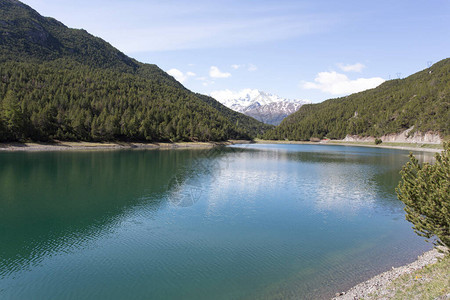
(419,102)
(63,83)
(265,107)
(27,36)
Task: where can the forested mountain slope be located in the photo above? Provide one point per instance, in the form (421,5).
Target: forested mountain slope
(62,83)
(421,100)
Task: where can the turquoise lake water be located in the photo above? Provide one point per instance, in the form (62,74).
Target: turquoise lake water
(241,222)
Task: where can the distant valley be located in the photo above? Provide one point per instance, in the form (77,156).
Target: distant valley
(264,107)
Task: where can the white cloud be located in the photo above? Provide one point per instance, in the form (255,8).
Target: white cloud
(205,81)
(214,72)
(211,35)
(180,76)
(191,33)
(223,95)
(177,74)
(157,26)
(252,68)
(249,67)
(339,84)
(352,68)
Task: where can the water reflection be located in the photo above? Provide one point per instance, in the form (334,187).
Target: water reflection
(53,199)
(186,185)
(344,179)
(224,222)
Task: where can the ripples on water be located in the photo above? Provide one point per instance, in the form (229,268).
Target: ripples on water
(251,221)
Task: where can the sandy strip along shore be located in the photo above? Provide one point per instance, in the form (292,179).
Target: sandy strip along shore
(404,146)
(75,146)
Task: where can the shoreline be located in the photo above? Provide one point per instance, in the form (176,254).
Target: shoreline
(399,146)
(379,286)
(84,146)
(92,146)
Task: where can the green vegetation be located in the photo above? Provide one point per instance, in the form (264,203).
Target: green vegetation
(425,190)
(431,282)
(62,83)
(65,100)
(27,36)
(420,100)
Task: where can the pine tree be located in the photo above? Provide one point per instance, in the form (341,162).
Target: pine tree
(425,190)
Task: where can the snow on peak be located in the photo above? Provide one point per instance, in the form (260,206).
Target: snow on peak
(246,97)
(266,107)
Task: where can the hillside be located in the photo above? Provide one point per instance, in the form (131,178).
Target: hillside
(421,100)
(62,83)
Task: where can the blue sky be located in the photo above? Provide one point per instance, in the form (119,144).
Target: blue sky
(312,50)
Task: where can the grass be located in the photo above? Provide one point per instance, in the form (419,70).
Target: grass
(431,282)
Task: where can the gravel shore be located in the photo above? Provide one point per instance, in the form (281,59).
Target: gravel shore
(407,148)
(380,283)
(411,147)
(76,146)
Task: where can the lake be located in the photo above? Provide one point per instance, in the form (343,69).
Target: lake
(242,222)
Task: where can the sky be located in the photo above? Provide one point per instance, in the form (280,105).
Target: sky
(310,49)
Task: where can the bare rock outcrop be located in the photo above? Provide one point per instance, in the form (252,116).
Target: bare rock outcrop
(402,137)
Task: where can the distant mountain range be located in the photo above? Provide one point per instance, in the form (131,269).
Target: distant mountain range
(265,107)
(66,84)
(416,105)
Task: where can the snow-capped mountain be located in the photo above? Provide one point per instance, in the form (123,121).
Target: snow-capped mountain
(265,107)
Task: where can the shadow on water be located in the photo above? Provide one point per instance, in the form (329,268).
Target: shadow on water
(48,197)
